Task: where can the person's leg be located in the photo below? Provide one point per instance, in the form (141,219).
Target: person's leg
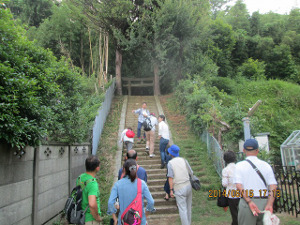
(233,206)
(165,143)
(181,201)
(245,216)
(148,140)
(152,139)
(129,145)
(162,151)
(139,130)
(189,199)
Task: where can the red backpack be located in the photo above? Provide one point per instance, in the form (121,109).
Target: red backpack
(130,134)
(133,214)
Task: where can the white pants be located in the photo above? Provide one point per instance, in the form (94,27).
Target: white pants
(184,203)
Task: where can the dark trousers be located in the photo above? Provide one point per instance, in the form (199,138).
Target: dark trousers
(140,125)
(162,148)
(233,206)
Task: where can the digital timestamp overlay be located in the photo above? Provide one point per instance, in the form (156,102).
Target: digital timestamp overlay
(263,193)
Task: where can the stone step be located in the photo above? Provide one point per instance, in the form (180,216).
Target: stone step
(156,176)
(155,171)
(156,188)
(167,219)
(156,182)
(163,202)
(150,161)
(152,166)
(169,209)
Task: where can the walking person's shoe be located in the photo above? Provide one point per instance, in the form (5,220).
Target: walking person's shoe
(162,166)
(147,149)
(152,155)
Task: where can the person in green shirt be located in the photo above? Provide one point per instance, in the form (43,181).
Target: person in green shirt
(91,194)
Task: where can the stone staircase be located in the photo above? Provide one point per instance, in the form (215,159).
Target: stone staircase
(166,211)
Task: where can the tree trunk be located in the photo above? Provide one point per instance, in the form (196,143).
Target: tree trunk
(91,49)
(81,52)
(118,71)
(156,79)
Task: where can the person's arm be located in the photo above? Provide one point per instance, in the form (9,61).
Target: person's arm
(170,176)
(136,111)
(159,130)
(170,179)
(253,207)
(114,216)
(271,197)
(94,207)
(111,209)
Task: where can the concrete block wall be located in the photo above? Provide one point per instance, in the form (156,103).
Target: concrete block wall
(35,186)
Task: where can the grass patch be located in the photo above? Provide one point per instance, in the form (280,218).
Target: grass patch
(106,152)
(204,209)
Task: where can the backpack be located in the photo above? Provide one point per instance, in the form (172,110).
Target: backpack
(147,124)
(73,211)
(130,134)
(133,214)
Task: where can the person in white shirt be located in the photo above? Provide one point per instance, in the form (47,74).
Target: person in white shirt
(150,135)
(164,136)
(227,182)
(257,192)
(180,185)
(127,140)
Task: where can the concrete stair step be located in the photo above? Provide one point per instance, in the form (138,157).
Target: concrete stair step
(156,188)
(163,202)
(150,161)
(167,219)
(152,166)
(155,171)
(170,209)
(156,176)
(158,194)
(156,182)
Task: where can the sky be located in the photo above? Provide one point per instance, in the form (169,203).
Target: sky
(277,6)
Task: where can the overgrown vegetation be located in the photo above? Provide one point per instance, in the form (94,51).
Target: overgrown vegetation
(41,97)
(213,103)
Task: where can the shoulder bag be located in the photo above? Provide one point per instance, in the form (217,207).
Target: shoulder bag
(195,182)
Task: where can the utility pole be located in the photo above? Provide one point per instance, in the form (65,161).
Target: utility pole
(246,120)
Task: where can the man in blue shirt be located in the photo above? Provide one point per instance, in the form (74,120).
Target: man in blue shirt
(143,114)
(141,172)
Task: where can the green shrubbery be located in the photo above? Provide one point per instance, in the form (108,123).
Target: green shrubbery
(39,96)
(208,101)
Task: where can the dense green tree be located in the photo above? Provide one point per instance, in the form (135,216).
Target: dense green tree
(40,96)
(280,64)
(238,16)
(255,24)
(220,49)
(65,34)
(31,12)
(253,69)
(292,39)
(240,49)
(294,20)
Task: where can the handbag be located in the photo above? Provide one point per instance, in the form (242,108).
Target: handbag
(222,200)
(133,214)
(195,182)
